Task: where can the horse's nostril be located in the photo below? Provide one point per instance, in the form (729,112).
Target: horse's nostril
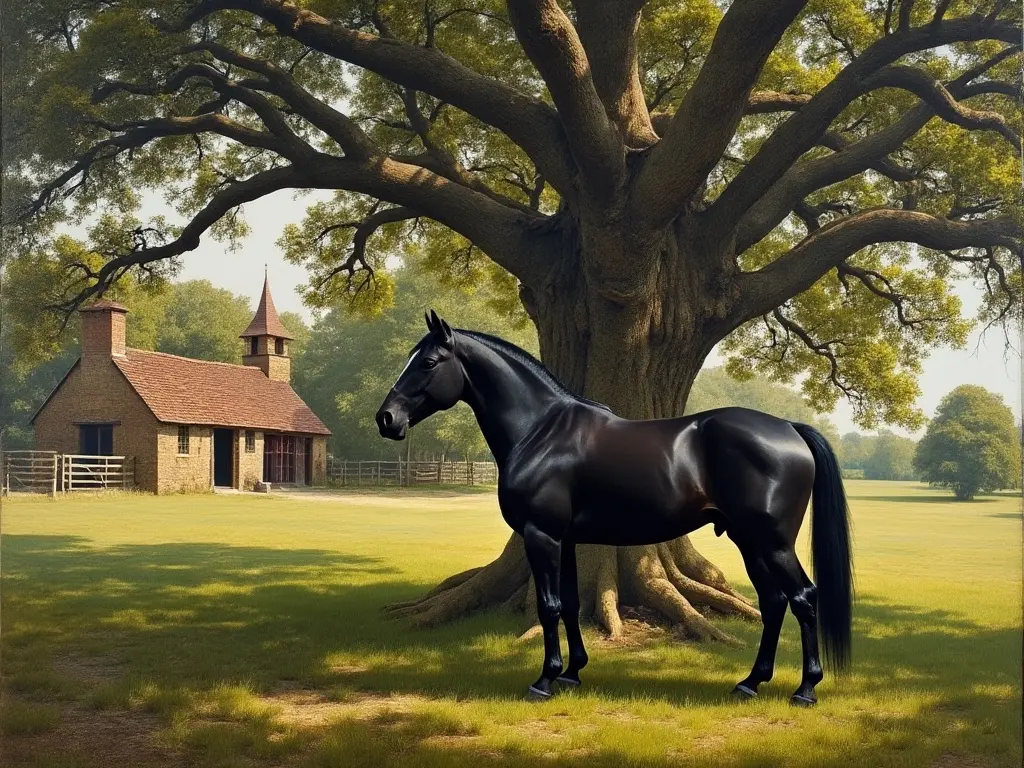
(386,418)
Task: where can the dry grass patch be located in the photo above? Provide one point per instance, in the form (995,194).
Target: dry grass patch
(117,739)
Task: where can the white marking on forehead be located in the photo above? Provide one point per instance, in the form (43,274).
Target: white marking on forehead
(413,357)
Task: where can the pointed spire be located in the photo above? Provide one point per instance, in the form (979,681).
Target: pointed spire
(266,322)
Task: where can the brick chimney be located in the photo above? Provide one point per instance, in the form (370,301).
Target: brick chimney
(103,326)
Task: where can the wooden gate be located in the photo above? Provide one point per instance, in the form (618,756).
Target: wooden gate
(30,472)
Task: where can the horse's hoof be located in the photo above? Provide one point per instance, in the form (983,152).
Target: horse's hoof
(537,694)
(802,701)
(568,681)
(743,693)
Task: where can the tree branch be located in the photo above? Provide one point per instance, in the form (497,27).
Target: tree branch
(329,120)
(805,128)
(608,31)
(229,198)
(679,165)
(871,279)
(761,102)
(822,250)
(805,177)
(504,234)
(821,348)
(551,43)
(932,92)
(280,137)
(356,261)
(527,121)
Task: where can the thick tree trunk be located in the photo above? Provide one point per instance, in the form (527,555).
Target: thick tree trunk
(637,349)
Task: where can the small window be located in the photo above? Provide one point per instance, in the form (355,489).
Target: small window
(253,345)
(278,346)
(182,440)
(250,441)
(96,439)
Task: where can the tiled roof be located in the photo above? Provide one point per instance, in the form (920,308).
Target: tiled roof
(180,390)
(266,322)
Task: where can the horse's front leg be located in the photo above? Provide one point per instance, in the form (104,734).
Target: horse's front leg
(571,616)
(544,556)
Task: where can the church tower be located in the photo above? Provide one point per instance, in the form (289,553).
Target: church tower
(266,340)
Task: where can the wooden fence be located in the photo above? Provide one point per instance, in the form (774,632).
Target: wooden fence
(49,472)
(30,472)
(345,472)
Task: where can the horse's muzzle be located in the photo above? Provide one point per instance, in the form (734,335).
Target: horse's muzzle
(391,425)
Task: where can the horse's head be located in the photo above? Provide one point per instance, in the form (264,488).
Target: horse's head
(431,381)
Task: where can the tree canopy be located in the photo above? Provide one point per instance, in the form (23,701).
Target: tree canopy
(891,459)
(884,456)
(816,140)
(972,445)
(797,181)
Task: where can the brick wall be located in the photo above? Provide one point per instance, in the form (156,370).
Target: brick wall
(248,466)
(276,367)
(103,334)
(194,472)
(97,392)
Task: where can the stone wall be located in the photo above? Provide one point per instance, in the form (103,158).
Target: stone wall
(184,473)
(248,466)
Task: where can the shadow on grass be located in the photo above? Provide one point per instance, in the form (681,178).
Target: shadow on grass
(195,616)
(916,495)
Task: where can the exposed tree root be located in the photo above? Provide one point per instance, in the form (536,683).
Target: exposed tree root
(673,578)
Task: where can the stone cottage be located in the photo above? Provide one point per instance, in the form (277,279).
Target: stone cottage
(187,424)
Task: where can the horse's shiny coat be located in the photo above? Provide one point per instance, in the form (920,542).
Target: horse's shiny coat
(572,472)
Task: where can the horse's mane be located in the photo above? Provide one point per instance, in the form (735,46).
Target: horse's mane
(509,349)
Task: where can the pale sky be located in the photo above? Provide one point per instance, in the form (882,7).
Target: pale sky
(984,361)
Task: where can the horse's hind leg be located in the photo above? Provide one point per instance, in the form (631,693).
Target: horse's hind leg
(772,602)
(544,556)
(571,616)
(785,568)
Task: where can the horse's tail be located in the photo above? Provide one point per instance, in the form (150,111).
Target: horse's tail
(830,548)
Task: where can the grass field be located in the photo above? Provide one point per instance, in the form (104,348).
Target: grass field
(245,631)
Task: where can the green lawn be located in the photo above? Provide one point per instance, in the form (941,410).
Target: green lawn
(245,631)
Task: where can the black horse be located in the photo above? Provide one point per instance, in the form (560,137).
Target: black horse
(572,472)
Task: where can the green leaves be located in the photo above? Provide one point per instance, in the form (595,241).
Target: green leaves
(857,342)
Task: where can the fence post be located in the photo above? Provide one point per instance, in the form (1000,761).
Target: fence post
(53,480)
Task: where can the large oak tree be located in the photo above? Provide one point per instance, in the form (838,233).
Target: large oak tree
(800,179)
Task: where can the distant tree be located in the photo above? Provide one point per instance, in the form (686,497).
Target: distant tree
(892,458)
(715,388)
(855,449)
(203,322)
(971,445)
(299,331)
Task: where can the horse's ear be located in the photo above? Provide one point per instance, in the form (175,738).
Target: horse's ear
(447,334)
(430,324)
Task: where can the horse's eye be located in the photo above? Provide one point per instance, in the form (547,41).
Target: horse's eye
(429,362)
